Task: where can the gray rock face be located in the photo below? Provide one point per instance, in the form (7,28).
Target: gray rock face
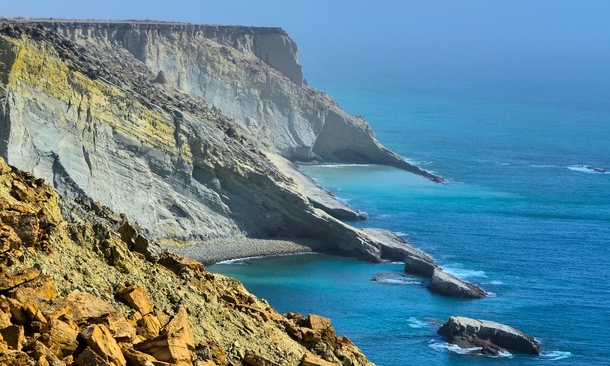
(467,333)
(271,45)
(445,284)
(253,76)
(420,265)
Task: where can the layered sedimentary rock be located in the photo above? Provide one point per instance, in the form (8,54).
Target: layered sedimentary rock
(97,123)
(253,76)
(491,337)
(76,290)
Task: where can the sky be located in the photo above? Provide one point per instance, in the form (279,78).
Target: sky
(430,40)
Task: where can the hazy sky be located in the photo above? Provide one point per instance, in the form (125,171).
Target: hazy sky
(445,39)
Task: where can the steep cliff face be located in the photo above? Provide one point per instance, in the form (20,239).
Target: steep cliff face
(253,76)
(91,121)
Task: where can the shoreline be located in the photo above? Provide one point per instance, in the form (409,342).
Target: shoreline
(225,249)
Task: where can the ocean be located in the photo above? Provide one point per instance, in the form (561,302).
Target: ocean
(523,215)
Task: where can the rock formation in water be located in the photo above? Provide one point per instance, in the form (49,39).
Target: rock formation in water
(80,286)
(445,284)
(175,125)
(491,337)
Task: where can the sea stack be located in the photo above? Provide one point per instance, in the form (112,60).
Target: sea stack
(492,337)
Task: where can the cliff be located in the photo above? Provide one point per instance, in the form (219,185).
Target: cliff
(253,76)
(92,120)
(80,286)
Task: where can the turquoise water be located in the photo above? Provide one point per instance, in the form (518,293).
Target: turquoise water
(520,217)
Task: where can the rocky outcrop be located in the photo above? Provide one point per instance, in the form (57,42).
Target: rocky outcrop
(490,336)
(78,294)
(90,119)
(395,248)
(445,284)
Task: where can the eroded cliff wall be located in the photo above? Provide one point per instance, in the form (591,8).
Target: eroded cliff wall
(253,76)
(91,121)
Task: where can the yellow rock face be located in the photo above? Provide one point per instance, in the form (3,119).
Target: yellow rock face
(38,68)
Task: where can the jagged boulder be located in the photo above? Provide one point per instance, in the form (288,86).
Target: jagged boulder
(136,298)
(445,284)
(311,360)
(468,333)
(99,338)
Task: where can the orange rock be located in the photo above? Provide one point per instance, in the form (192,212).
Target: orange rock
(5,318)
(99,338)
(134,318)
(136,298)
(15,358)
(9,280)
(163,318)
(206,363)
(60,338)
(176,262)
(311,360)
(180,324)
(317,322)
(54,309)
(40,352)
(14,336)
(84,307)
(120,328)
(22,192)
(4,167)
(149,326)
(310,335)
(30,293)
(136,358)
(3,346)
(254,359)
(9,240)
(25,225)
(175,342)
(166,347)
(89,358)
(15,308)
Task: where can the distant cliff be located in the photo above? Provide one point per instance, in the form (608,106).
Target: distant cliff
(103,126)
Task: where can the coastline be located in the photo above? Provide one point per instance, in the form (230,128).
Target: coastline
(219,250)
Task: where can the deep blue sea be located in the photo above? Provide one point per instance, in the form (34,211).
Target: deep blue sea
(521,216)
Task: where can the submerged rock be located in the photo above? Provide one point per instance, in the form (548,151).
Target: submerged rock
(443,283)
(492,337)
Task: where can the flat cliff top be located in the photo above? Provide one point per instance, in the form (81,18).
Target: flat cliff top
(146,24)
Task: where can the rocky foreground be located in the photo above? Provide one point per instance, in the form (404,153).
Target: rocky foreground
(80,286)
